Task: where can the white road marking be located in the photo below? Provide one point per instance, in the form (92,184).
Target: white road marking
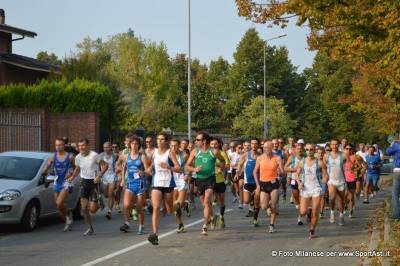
(138,245)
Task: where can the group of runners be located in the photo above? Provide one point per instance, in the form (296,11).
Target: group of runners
(167,177)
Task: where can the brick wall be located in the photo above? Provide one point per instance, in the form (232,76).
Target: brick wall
(75,126)
(19,129)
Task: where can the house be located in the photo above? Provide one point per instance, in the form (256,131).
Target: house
(17,68)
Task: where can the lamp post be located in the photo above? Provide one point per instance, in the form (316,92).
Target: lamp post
(265,85)
(189,79)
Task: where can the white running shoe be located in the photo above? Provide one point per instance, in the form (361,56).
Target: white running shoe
(271,229)
(341,219)
(332,217)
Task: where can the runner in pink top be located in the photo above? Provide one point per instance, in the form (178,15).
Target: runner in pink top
(350,176)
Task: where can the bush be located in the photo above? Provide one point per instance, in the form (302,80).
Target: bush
(60,96)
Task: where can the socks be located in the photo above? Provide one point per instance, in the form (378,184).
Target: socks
(256,211)
(222,210)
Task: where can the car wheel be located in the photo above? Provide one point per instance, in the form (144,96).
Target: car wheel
(30,217)
(76,213)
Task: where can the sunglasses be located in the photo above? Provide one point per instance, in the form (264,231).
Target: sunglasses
(309,149)
(328,150)
(199,139)
(348,148)
(148,141)
(114,147)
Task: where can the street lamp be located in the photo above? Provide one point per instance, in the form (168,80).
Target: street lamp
(265,86)
(189,80)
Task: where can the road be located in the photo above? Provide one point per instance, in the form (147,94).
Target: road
(238,244)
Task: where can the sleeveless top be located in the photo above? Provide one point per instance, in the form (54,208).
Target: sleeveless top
(162,176)
(249,168)
(111,161)
(310,175)
(133,166)
(349,173)
(62,168)
(207,162)
(269,168)
(335,169)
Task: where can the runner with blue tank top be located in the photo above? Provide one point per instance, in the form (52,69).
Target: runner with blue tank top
(63,164)
(135,168)
(291,169)
(250,192)
(310,175)
(336,185)
(122,156)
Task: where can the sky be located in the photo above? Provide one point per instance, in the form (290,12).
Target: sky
(216,27)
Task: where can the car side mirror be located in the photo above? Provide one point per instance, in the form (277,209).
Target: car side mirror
(49,179)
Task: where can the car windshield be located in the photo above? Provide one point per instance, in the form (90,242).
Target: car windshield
(19,168)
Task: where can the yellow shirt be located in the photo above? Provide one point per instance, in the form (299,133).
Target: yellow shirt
(220,173)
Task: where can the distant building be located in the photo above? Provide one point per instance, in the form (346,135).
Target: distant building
(17,68)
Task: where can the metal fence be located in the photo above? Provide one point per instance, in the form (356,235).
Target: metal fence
(20,131)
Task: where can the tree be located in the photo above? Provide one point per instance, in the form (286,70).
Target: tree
(250,121)
(246,79)
(49,58)
(364,33)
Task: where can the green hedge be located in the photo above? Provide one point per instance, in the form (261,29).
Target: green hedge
(60,96)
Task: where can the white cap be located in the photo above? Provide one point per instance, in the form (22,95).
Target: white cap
(300,141)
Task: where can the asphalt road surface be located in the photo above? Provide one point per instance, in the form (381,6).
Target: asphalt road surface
(238,244)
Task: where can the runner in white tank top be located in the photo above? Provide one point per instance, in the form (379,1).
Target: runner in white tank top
(310,175)
(164,162)
(336,183)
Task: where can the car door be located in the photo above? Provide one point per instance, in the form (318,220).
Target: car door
(46,194)
(72,198)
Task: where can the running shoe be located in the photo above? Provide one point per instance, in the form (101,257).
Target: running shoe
(332,217)
(67,227)
(321,215)
(124,228)
(89,231)
(213,222)
(366,201)
(351,214)
(153,239)
(108,215)
(269,212)
(180,229)
(299,221)
(240,206)
(249,213)
(204,230)
(255,222)
(271,229)
(341,219)
(140,230)
(222,221)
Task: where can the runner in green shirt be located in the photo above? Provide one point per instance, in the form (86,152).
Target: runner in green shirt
(204,159)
